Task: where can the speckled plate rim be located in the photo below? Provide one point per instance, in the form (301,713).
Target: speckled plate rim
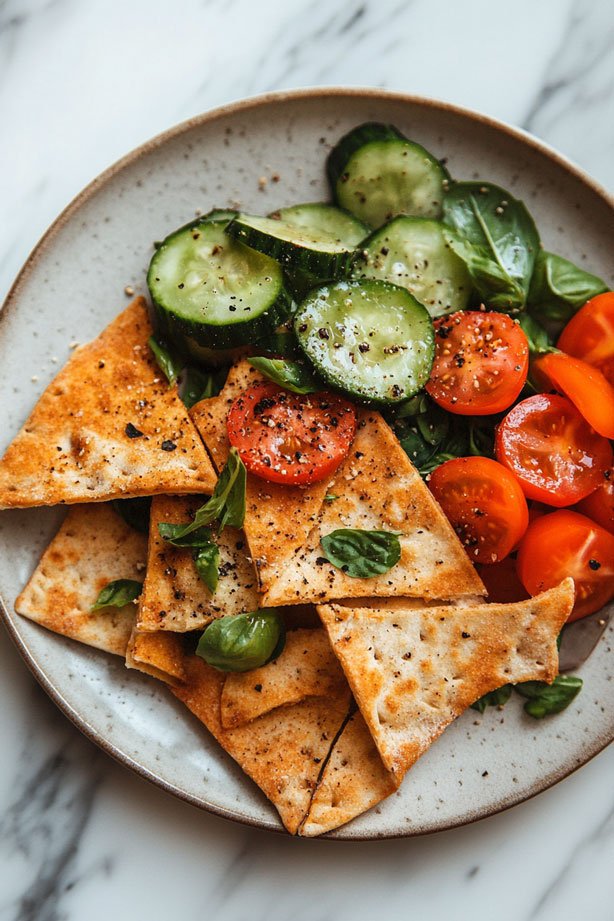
(69,212)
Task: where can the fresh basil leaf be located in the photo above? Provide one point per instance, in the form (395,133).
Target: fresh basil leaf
(200,385)
(537,337)
(435,461)
(433,425)
(412,407)
(169,363)
(242,642)
(117,594)
(227,504)
(496,698)
(207,561)
(481,435)
(135,512)
(546,699)
(362,554)
(288,374)
(559,288)
(495,236)
(173,533)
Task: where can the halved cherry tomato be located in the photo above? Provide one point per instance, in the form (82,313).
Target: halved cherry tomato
(484,504)
(585,386)
(568,544)
(599,506)
(290,438)
(502,582)
(481,362)
(589,335)
(555,454)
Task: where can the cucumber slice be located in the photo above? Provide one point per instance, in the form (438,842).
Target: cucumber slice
(213,291)
(376,173)
(369,338)
(319,217)
(320,252)
(219,214)
(412,252)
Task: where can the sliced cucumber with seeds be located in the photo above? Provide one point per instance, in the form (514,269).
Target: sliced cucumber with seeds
(412,252)
(369,338)
(320,252)
(212,291)
(219,214)
(319,217)
(377,173)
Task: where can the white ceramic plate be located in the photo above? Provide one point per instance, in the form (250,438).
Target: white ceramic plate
(73,285)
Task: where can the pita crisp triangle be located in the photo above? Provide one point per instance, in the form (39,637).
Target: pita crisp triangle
(108,426)
(353,780)
(378,488)
(282,751)
(93,547)
(414,672)
(157,654)
(278,518)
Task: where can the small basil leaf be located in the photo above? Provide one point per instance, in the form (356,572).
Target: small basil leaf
(496,237)
(242,642)
(173,533)
(481,437)
(559,288)
(496,698)
(537,337)
(362,554)
(135,512)
(288,374)
(168,363)
(199,385)
(206,561)
(435,461)
(413,407)
(227,504)
(118,593)
(546,699)
(433,425)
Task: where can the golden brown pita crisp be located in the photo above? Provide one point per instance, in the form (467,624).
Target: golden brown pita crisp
(174,597)
(282,751)
(278,518)
(157,654)
(108,426)
(307,667)
(413,673)
(93,547)
(378,488)
(354,780)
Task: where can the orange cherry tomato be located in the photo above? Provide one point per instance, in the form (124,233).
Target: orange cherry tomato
(568,544)
(585,386)
(484,504)
(290,438)
(599,506)
(556,456)
(502,582)
(481,362)
(589,335)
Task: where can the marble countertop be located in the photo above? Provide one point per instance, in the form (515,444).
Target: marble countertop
(80,85)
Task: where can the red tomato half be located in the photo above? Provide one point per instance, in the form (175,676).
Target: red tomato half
(481,362)
(484,504)
(555,454)
(502,582)
(585,386)
(568,544)
(290,438)
(589,335)
(599,506)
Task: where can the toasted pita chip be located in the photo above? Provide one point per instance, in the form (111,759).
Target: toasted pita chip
(278,518)
(281,751)
(174,597)
(157,654)
(354,780)
(93,547)
(307,667)
(378,488)
(414,672)
(108,426)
